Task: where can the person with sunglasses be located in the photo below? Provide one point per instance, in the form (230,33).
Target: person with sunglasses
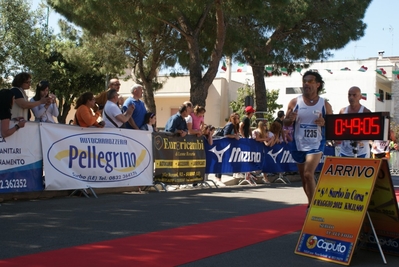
(101,99)
(22,105)
(306,114)
(44,112)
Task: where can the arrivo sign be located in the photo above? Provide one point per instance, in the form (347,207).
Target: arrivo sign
(357,126)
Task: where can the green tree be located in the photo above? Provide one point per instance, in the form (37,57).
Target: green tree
(146,42)
(20,34)
(197,33)
(75,63)
(239,104)
(288,33)
(78,63)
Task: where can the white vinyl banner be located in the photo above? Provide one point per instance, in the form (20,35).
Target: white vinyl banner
(78,158)
(21,165)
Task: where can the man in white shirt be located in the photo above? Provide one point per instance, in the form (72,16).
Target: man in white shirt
(112,115)
(361,147)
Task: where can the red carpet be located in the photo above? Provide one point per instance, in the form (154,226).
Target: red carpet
(174,246)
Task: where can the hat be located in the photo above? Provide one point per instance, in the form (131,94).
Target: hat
(249,109)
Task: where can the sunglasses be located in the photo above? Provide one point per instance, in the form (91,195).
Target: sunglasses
(152,115)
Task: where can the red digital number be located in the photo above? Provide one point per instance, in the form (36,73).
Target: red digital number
(375,126)
(356,126)
(366,126)
(339,126)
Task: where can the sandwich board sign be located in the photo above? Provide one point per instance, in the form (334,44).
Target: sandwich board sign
(335,218)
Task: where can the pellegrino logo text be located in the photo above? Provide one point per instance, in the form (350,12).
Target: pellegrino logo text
(97,156)
(91,158)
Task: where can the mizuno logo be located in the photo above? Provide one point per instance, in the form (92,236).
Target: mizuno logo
(274,155)
(219,154)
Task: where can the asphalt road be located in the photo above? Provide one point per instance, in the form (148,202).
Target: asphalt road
(33,226)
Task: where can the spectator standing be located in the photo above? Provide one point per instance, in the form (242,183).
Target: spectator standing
(85,116)
(189,119)
(101,98)
(306,114)
(197,120)
(280,117)
(44,112)
(139,108)
(112,114)
(380,148)
(20,83)
(150,120)
(245,124)
(6,103)
(177,123)
(262,134)
(230,130)
(347,147)
(245,131)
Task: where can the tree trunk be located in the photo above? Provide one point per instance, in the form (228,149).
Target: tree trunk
(260,89)
(200,85)
(66,107)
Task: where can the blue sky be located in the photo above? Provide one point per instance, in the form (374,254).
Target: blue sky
(382,33)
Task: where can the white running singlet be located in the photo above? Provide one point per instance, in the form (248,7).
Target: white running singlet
(307,135)
(363,147)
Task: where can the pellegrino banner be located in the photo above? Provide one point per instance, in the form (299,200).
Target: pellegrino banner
(76,158)
(21,164)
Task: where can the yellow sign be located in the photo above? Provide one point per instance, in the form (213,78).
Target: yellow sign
(338,209)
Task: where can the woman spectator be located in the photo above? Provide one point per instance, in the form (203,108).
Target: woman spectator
(231,129)
(197,120)
(150,119)
(207,133)
(277,130)
(22,82)
(6,103)
(262,134)
(44,112)
(85,116)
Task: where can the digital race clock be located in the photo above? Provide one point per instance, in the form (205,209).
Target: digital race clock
(357,126)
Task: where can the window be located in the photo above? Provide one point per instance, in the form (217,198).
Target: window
(381,95)
(293,90)
(388,96)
